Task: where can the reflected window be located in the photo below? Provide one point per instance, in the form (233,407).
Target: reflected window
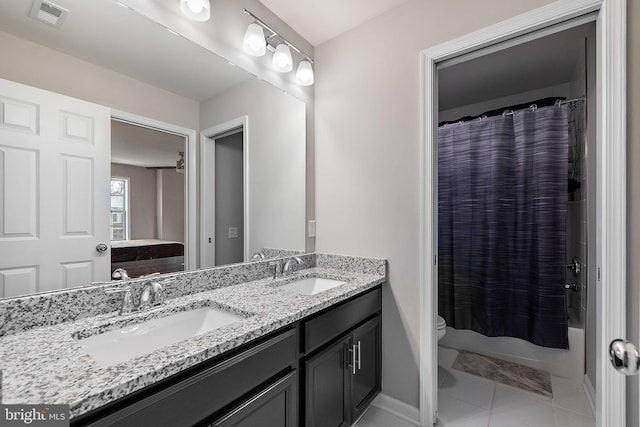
(119,208)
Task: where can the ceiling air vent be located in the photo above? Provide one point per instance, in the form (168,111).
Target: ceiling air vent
(49,13)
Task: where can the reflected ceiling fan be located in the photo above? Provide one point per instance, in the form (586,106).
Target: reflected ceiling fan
(179,167)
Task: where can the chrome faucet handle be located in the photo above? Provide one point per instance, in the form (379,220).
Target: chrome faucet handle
(257,256)
(288,266)
(126,306)
(158,292)
(277,264)
(145,297)
(120,274)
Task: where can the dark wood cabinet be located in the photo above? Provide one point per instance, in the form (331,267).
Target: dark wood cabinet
(343,377)
(366,378)
(327,382)
(274,406)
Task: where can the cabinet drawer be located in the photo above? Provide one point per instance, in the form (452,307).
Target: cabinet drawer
(274,406)
(329,325)
(201,395)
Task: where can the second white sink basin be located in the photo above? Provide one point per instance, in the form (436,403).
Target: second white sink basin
(312,285)
(131,341)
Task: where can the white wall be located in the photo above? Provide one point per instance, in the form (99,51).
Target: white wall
(367,154)
(276,149)
(35,65)
(142,199)
(173,206)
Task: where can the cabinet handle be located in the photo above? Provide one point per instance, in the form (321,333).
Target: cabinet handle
(352,350)
(358,355)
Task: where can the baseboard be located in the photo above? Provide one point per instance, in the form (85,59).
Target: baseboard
(591,393)
(398,408)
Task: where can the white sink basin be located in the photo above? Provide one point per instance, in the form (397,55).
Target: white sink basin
(131,341)
(312,285)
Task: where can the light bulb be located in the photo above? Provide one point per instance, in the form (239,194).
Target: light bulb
(304,74)
(195,6)
(254,42)
(197,10)
(282,61)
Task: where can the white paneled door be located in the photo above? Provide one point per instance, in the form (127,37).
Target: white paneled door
(54,190)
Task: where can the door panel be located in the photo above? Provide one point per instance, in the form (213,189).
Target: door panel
(327,387)
(366,382)
(54,190)
(19,192)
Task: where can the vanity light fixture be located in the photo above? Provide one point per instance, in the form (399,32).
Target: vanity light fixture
(197,10)
(255,43)
(304,74)
(282,61)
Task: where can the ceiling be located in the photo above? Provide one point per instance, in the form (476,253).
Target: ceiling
(320,20)
(117,38)
(143,147)
(544,62)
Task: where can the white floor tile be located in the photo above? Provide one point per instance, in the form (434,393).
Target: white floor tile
(442,375)
(468,388)
(566,418)
(519,408)
(446,357)
(456,413)
(571,398)
(376,417)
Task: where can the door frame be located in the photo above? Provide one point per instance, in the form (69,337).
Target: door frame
(190,210)
(207,183)
(611,188)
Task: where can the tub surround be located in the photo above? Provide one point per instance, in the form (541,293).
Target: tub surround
(42,362)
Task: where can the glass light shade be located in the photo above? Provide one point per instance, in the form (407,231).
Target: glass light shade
(254,43)
(282,61)
(304,74)
(197,10)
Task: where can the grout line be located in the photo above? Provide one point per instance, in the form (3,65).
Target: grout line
(493,399)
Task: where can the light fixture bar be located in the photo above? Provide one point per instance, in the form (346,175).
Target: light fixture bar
(275,33)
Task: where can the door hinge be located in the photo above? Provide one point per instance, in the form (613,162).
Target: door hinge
(435,260)
(598,274)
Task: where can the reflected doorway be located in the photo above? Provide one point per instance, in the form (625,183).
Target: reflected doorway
(148,199)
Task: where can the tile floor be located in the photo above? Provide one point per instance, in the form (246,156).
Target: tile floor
(465,400)
(468,400)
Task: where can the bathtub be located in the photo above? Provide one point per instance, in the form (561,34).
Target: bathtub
(568,364)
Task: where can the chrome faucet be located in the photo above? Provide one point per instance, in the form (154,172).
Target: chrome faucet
(126,306)
(277,264)
(152,295)
(288,266)
(120,274)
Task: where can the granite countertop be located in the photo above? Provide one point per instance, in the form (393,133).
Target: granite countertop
(46,365)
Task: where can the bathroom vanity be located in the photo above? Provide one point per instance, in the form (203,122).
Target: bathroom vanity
(294,357)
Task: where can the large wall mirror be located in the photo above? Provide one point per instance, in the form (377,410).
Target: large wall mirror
(192,161)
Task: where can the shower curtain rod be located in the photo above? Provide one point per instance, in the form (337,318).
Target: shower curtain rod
(569,101)
(558,102)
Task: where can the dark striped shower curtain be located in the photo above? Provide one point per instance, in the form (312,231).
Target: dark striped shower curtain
(502,203)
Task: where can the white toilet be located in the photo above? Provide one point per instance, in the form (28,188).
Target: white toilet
(441,327)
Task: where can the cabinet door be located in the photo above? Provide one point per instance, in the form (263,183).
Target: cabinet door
(366,382)
(327,387)
(274,406)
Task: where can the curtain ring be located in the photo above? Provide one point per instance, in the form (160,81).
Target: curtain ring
(533,107)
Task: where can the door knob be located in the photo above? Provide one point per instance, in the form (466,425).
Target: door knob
(102,247)
(624,357)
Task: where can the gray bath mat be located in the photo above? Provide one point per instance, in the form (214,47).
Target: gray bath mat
(509,373)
